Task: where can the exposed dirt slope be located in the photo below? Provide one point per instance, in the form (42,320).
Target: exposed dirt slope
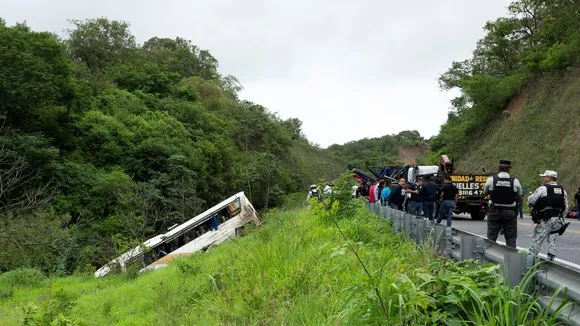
(411,154)
(539,130)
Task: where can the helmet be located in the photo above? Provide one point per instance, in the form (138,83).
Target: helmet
(312,186)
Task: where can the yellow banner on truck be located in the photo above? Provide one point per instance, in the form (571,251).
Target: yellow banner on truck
(469,185)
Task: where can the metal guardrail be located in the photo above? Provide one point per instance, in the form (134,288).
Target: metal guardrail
(462,245)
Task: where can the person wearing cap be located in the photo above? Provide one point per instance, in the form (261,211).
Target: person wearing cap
(504,191)
(313,192)
(549,204)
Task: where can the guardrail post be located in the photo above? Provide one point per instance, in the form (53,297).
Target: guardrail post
(427,229)
(383,212)
(420,230)
(541,281)
(448,240)
(468,247)
(514,268)
(390,214)
(397,221)
(456,245)
(464,247)
(413,233)
(407,225)
(438,237)
(375,208)
(401,226)
(478,250)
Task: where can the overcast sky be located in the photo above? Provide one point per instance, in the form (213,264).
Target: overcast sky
(347,69)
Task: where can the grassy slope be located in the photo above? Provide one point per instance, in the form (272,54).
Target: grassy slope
(293,270)
(315,163)
(542,132)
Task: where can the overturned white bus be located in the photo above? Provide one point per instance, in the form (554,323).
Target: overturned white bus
(211,227)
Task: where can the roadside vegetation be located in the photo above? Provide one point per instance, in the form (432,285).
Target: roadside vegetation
(538,38)
(333,264)
(105,142)
(517,92)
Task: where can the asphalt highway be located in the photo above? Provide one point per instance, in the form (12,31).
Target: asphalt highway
(569,242)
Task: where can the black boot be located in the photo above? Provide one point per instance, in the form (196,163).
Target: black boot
(563,228)
(551,257)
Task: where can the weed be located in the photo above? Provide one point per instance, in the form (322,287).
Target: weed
(25,277)
(6,293)
(107,308)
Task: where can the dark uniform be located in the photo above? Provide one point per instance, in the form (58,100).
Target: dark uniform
(549,204)
(504,191)
(429,193)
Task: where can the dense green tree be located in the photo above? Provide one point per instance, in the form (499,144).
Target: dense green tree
(105,142)
(100,43)
(180,56)
(35,77)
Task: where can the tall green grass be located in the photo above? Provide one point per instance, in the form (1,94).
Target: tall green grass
(296,269)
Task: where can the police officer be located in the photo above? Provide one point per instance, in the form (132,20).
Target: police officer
(504,191)
(549,203)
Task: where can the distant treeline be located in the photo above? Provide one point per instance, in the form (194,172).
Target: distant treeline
(378,151)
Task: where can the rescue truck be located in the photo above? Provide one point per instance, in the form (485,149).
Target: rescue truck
(471,198)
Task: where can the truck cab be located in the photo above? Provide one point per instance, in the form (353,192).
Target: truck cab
(471,198)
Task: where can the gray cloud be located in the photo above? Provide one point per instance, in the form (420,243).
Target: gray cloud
(347,69)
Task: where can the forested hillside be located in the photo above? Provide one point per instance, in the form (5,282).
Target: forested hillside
(538,132)
(406,147)
(519,95)
(104,142)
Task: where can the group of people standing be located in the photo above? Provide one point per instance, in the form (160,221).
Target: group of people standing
(416,198)
(315,192)
(549,204)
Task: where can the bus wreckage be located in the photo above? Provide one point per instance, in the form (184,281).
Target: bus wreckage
(210,228)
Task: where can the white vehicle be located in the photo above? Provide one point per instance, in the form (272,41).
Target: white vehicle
(158,251)
(421,171)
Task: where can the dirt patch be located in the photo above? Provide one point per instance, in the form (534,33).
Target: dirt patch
(514,106)
(168,258)
(516,102)
(410,155)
